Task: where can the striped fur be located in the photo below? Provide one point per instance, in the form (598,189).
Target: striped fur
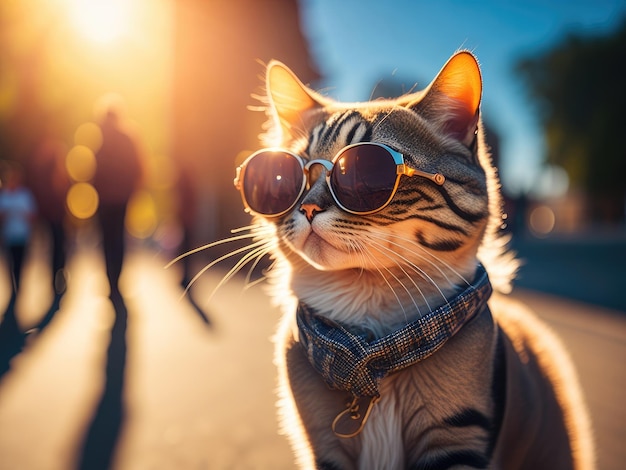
(490,398)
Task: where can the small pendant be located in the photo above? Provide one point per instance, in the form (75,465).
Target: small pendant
(351,421)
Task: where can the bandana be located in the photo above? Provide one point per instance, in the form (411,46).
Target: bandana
(347,361)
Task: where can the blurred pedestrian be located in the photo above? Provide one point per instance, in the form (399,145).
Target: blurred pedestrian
(188,217)
(17,216)
(48,178)
(118,173)
(187,214)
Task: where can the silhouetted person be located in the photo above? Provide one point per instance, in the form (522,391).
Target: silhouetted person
(188,216)
(17,215)
(50,182)
(47,177)
(118,172)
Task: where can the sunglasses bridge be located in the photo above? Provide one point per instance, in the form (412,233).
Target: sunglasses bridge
(309,210)
(326,164)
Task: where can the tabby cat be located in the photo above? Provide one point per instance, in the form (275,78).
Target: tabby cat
(383,220)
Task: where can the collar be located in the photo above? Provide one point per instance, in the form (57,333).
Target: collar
(347,361)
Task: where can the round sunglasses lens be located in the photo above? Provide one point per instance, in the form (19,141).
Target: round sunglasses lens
(272,182)
(363,178)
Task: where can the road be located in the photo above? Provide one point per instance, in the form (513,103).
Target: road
(588,266)
(168,389)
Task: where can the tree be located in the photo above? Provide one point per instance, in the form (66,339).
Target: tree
(581,97)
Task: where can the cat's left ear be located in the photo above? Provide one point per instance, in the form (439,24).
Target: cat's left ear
(289,98)
(452,100)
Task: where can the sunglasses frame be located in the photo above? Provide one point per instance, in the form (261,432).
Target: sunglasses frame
(401,169)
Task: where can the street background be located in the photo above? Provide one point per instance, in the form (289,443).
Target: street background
(148,379)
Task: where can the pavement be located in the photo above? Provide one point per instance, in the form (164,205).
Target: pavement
(146,382)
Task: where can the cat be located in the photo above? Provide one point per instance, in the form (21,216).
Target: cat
(394,351)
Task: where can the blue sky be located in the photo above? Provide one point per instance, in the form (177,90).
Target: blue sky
(356,43)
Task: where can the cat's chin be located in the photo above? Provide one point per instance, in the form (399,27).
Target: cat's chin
(322,255)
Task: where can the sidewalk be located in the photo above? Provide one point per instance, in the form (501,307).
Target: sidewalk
(198,396)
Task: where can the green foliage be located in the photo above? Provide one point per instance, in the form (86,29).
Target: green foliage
(580,90)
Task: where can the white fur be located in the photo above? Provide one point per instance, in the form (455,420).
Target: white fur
(382,437)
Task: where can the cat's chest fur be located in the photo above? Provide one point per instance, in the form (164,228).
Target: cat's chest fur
(403,424)
(407,421)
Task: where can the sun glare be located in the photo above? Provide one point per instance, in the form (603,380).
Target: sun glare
(101,21)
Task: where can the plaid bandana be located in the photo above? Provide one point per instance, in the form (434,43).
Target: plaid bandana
(349,362)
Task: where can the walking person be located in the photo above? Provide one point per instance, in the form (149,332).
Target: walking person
(118,173)
(17,216)
(48,177)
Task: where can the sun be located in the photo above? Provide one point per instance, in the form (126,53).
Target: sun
(101,21)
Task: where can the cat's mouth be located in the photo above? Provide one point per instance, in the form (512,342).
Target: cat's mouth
(318,250)
(319,246)
(324,242)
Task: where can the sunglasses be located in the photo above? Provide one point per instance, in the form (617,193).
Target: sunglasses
(362,178)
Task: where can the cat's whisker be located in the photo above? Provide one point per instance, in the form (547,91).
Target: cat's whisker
(257,253)
(376,246)
(411,243)
(385,235)
(365,256)
(358,250)
(248,283)
(200,273)
(374,262)
(256,231)
(409,293)
(256,227)
(445,264)
(216,243)
(417,269)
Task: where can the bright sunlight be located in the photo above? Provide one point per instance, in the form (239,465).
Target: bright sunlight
(101,21)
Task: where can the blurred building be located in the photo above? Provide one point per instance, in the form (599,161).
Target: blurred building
(220,51)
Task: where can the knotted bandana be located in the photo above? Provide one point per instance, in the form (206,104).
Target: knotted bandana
(347,361)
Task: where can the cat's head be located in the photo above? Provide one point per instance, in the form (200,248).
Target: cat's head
(329,218)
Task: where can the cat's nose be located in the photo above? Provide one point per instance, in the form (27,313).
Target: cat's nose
(309,210)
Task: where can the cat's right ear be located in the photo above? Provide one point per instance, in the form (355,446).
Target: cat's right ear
(452,100)
(289,98)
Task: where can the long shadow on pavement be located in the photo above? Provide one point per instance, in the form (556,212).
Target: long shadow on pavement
(12,339)
(198,310)
(50,313)
(104,431)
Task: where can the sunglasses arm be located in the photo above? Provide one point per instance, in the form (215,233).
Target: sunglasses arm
(237,180)
(436,178)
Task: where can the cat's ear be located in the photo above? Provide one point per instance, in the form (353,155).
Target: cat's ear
(452,100)
(289,98)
